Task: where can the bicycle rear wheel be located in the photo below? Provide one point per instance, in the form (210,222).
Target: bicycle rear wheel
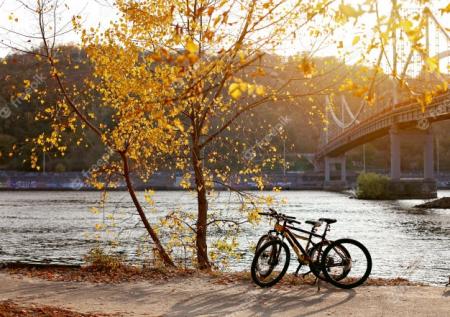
(355,263)
(270,263)
(315,265)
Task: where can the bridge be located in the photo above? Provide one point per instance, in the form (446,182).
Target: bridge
(397,119)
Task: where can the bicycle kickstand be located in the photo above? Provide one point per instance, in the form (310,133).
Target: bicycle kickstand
(298,269)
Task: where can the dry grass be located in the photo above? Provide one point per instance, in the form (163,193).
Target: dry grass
(96,274)
(105,273)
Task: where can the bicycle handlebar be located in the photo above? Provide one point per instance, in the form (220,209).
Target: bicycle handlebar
(279,216)
(294,221)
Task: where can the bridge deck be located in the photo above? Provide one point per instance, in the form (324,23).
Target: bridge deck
(405,115)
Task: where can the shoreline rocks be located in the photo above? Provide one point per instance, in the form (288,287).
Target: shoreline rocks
(441,203)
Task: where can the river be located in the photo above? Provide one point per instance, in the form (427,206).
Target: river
(58,227)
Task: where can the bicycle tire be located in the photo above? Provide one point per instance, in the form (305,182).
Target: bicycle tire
(338,283)
(316,266)
(275,244)
(264,238)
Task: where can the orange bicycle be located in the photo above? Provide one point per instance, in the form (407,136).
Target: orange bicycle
(345,263)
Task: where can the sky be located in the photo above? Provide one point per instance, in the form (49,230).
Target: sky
(101,12)
(93,12)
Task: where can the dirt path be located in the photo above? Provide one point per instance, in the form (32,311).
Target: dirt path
(199,296)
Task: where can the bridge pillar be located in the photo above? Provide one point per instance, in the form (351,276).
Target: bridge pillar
(327,169)
(330,166)
(395,153)
(343,161)
(428,159)
(412,188)
(428,150)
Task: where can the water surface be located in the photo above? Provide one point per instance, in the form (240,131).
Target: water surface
(57,227)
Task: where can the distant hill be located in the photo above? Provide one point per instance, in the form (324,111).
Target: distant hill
(302,131)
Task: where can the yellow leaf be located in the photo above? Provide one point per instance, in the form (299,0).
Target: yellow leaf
(355,40)
(234,91)
(428,98)
(444,85)
(446,9)
(177,38)
(407,25)
(243,87)
(98,226)
(242,56)
(191,46)
(432,63)
(193,58)
(260,90)
(95,210)
(349,11)
(306,66)
(250,89)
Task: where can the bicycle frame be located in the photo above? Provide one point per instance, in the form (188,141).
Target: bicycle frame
(286,231)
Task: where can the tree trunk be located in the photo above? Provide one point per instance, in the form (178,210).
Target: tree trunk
(202,248)
(162,252)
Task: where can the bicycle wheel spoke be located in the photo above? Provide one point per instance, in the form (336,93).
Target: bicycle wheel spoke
(346,263)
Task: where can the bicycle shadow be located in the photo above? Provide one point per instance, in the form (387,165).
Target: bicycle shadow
(234,299)
(446,293)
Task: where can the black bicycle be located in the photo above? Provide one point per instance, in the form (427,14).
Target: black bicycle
(345,263)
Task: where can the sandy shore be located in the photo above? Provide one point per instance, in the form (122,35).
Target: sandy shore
(204,296)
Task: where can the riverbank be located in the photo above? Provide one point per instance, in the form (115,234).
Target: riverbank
(76,181)
(215,295)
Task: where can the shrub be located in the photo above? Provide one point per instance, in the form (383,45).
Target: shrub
(60,168)
(372,186)
(101,261)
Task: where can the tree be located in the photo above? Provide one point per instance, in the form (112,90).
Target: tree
(207,62)
(132,133)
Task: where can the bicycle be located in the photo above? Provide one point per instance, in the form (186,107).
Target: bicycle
(331,261)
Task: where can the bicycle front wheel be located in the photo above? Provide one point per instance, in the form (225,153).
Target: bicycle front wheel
(346,263)
(264,239)
(270,263)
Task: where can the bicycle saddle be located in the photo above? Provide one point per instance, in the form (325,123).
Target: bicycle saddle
(328,220)
(314,223)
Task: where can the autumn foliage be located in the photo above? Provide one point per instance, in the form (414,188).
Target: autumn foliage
(171,80)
